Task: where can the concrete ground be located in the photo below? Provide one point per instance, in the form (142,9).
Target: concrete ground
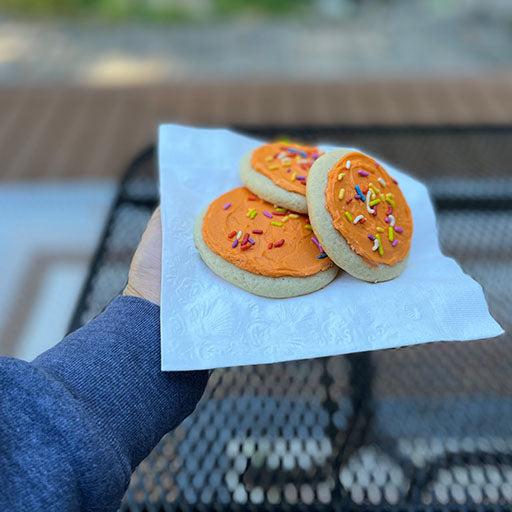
(403,40)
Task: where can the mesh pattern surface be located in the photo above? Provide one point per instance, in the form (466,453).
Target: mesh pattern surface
(420,428)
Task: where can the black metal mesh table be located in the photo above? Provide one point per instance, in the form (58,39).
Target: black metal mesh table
(420,428)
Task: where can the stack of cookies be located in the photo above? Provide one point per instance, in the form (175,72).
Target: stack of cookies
(302,216)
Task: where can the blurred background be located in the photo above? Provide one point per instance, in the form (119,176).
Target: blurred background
(85,83)
(426,84)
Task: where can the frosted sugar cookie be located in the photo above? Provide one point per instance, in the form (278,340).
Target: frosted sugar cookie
(278,173)
(360,215)
(264,250)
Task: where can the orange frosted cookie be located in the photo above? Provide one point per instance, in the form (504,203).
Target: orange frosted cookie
(278,173)
(360,215)
(262,249)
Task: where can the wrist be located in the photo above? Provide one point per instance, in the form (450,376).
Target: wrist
(150,295)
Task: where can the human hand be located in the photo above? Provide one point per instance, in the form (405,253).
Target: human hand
(146,267)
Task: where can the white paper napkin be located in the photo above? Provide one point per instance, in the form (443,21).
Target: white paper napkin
(207,322)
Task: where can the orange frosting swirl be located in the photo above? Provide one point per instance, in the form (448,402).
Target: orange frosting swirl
(287,165)
(281,249)
(386,218)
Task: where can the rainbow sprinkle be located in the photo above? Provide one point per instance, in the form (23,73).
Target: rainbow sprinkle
(341,175)
(235,243)
(341,195)
(285,218)
(349,217)
(371,237)
(375,190)
(347,165)
(317,243)
(232,234)
(239,235)
(308,226)
(390,201)
(253,214)
(279,243)
(381,250)
(381,181)
(358,190)
(374,202)
(297,151)
(390,234)
(267,214)
(358,218)
(380,230)
(363,173)
(294,175)
(226,206)
(293,216)
(251,241)
(395,243)
(398,230)
(322,256)
(278,209)
(278,224)
(257,231)
(300,177)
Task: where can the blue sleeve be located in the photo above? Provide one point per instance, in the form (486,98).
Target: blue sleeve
(76,421)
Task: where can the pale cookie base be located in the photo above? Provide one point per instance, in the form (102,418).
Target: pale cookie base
(273,287)
(331,240)
(266,189)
